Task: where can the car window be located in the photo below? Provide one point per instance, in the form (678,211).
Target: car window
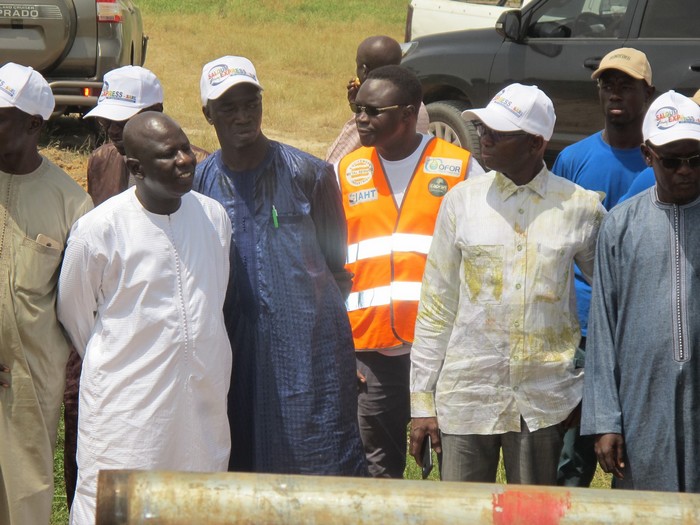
(578,19)
(671,19)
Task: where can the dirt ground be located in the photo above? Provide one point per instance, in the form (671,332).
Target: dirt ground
(67,142)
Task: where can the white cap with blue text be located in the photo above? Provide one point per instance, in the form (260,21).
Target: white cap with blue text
(25,89)
(671,117)
(518,108)
(127,91)
(219,75)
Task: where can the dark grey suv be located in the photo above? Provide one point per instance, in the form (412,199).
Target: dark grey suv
(73,43)
(555,44)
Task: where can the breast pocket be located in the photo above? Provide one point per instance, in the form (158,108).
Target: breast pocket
(482,271)
(36,267)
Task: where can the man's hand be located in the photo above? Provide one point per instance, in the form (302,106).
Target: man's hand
(353,88)
(5,369)
(361,378)
(420,426)
(610,449)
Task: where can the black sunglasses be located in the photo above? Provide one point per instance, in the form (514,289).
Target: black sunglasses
(673,163)
(371,111)
(496,136)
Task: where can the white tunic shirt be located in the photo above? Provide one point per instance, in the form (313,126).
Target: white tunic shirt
(141,296)
(497,328)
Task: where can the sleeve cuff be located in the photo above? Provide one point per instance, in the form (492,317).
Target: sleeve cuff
(423,404)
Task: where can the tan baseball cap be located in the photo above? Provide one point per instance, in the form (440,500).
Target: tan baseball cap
(628,60)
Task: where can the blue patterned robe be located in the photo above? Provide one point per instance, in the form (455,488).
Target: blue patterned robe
(293,398)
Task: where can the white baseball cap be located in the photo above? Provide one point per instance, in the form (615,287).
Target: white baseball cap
(126,91)
(223,73)
(25,89)
(671,117)
(518,108)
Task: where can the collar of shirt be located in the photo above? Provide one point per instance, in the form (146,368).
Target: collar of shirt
(507,187)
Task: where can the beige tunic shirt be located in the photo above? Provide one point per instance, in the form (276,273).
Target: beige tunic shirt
(37,211)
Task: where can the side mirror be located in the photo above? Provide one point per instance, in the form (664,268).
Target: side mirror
(508,25)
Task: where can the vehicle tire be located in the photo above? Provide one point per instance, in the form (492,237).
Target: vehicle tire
(446,122)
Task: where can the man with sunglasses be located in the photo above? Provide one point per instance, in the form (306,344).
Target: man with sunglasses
(642,380)
(607,162)
(496,333)
(392,189)
(373,52)
(646,178)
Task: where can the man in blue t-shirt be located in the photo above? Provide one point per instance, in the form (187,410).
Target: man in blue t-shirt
(606,162)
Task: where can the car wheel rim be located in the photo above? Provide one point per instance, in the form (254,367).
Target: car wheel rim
(445,132)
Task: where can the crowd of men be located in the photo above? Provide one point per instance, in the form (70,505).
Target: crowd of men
(258,309)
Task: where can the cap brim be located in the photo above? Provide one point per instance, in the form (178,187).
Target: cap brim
(596,74)
(6,103)
(225,86)
(666,137)
(491,118)
(113,112)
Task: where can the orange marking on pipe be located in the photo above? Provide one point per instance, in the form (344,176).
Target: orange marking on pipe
(514,507)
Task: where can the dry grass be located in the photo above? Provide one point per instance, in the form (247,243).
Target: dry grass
(303,71)
(303,67)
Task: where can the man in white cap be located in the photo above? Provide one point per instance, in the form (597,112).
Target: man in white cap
(492,363)
(141,294)
(127,91)
(293,398)
(646,178)
(606,162)
(39,204)
(642,380)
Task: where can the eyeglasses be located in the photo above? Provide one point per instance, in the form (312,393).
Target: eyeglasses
(673,163)
(496,136)
(371,111)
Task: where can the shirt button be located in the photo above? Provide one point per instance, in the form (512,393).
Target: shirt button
(520,247)
(517,286)
(521,211)
(515,388)
(516,323)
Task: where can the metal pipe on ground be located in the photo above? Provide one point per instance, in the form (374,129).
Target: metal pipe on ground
(130,497)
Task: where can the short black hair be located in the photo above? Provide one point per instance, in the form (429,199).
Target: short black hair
(402,78)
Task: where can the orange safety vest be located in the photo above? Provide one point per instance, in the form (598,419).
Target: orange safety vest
(387,246)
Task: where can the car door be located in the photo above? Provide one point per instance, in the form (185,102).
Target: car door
(561,44)
(669,33)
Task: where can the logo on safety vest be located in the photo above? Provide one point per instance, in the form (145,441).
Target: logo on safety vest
(358,197)
(438,186)
(359,172)
(442,166)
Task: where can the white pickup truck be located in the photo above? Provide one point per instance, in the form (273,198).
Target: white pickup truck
(426,17)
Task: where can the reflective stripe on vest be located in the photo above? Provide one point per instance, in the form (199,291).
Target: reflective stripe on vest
(388,244)
(398,242)
(383,295)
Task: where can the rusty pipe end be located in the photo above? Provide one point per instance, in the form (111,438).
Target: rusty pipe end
(112,497)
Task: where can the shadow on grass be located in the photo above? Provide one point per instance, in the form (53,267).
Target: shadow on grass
(71,132)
